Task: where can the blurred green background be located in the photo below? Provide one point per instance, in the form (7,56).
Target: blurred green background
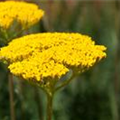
(94,95)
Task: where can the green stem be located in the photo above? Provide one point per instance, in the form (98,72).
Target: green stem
(12,110)
(66,82)
(49,106)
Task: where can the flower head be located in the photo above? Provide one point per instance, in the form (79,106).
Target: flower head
(26,14)
(51,55)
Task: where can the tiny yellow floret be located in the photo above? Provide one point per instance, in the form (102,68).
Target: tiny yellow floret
(26,14)
(51,55)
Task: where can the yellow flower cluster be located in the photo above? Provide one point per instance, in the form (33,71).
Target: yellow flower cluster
(26,14)
(51,55)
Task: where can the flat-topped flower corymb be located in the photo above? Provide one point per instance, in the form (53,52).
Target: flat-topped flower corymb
(43,56)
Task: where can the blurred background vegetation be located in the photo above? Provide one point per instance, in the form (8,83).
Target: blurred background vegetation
(95,95)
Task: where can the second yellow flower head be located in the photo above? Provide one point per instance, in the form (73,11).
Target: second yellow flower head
(26,14)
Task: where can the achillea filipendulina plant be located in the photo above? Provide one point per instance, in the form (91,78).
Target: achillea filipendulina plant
(24,13)
(45,58)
